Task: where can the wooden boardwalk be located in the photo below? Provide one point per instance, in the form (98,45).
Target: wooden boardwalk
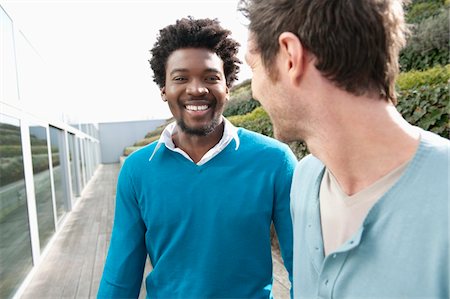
(73,266)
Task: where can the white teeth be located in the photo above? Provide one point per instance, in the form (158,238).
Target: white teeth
(196,108)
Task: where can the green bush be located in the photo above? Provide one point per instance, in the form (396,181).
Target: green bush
(40,162)
(429,43)
(241,101)
(11,169)
(413,79)
(9,138)
(420,10)
(427,107)
(156,132)
(128,150)
(10,150)
(424,99)
(240,106)
(146,141)
(37,141)
(39,149)
(258,121)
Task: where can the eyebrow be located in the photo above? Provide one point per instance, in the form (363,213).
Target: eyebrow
(181,70)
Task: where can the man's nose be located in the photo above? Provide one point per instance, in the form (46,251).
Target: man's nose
(196,87)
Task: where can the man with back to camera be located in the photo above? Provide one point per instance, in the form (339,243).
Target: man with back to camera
(370,205)
(200,201)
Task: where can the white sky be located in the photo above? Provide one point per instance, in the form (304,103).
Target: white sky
(97,51)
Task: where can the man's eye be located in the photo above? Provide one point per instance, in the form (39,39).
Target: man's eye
(179,79)
(212,78)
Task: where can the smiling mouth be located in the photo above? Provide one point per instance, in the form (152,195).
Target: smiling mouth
(196,107)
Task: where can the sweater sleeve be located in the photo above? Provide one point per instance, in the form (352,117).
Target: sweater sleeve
(124,267)
(282,215)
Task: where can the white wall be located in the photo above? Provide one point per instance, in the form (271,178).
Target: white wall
(115,136)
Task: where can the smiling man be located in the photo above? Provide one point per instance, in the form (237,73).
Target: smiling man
(199,201)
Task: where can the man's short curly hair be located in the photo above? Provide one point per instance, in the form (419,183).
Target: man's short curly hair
(192,33)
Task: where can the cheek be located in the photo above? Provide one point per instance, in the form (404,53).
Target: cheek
(220,93)
(172,90)
(259,87)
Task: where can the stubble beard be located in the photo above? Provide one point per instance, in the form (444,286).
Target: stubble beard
(202,131)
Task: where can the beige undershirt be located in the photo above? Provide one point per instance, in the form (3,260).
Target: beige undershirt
(342,215)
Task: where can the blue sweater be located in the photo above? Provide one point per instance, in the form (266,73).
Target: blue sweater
(205,228)
(402,248)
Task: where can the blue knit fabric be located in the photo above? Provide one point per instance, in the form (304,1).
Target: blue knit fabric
(402,248)
(205,228)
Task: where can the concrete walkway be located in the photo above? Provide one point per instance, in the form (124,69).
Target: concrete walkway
(73,266)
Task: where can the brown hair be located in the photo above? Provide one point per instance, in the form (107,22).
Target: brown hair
(356,42)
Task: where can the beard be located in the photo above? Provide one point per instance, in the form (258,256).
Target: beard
(201,131)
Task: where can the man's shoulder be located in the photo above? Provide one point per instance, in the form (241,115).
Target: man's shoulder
(436,143)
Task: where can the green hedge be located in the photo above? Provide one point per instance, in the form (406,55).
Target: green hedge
(427,107)
(11,169)
(432,76)
(417,11)
(424,99)
(241,101)
(128,150)
(429,43)
(145,141)
(16,150)
(258,121)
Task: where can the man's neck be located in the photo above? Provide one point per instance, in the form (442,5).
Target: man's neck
(362,139)
(196,146)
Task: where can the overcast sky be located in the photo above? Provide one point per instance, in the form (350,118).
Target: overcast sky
(97,51)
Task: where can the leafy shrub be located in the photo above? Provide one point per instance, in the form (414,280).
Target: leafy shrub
(128,150)
(427,107)
(11,170)
(39,149)
(155,132)
(413,79)
(37,141)
(429,44)
(40,162)
(146,141)
(9,138)
(10,150)
(258,121)
(424,99)
(420,10)
(299,148)
(241,101)
(240,106)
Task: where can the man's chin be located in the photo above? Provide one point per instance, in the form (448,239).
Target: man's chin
(283,136)
(197,131)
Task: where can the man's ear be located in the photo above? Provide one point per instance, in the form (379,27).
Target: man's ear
(163,94)
(292,54)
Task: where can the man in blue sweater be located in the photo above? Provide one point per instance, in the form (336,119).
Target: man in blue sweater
(370,205)
(200,201)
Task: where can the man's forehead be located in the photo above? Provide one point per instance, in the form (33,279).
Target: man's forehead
(194,60)
(190,55)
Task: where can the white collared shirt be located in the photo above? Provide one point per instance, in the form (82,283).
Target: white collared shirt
(229,133)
